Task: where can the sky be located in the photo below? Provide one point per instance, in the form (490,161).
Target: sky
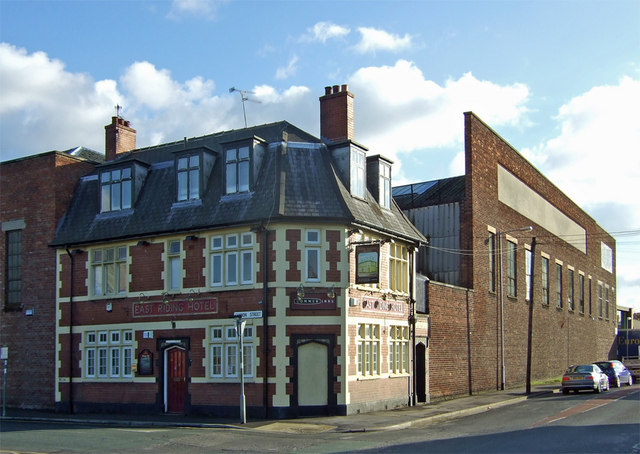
(559,80)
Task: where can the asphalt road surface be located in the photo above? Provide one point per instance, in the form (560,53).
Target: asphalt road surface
(582,423)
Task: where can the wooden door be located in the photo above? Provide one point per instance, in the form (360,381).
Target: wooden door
(176,379)
(313,373)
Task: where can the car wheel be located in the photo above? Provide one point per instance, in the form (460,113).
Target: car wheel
(607,386)
(565,391)
(598,388)
(617,382)
(630,382)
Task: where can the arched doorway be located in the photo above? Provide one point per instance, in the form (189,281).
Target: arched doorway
(175,379)
(313,380)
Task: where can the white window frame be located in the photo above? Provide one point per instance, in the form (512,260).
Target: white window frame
(512,269)
(231,260)
(108,354)
(224,344)
(174,259)
(312,255)
(398,268)
(238,169)
(398,349)
(544,277)
(358,176)
(109,268)
(369,349)
(528,258)
(385,185)
(188,177)
(116,189)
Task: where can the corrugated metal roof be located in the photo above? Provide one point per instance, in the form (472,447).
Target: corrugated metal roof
(435,192)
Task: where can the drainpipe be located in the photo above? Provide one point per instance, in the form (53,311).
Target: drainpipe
(412,331)
(70,254)
(265,318)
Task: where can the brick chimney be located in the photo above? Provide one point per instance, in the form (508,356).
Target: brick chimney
(336,114)
(119,138)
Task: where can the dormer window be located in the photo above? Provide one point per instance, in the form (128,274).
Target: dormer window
(237,168)
(385,185)
(116,188)
(357,173)
(188,175)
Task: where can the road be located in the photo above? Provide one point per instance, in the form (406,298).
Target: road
(582,423)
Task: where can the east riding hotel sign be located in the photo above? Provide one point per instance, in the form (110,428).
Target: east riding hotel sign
(175,308)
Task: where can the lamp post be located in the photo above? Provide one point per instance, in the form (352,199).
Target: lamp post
(502,361)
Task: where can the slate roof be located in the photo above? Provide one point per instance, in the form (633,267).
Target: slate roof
(85,153)
(427,193)
(296,181)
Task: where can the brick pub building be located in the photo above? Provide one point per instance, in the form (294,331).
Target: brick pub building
(507,303)
(162,246)
(34,195)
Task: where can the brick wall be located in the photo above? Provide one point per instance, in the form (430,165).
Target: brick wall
(560,336)
(37,190)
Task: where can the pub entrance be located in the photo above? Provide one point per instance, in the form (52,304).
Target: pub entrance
(175,375)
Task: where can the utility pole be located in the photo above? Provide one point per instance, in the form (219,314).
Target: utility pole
(530,328)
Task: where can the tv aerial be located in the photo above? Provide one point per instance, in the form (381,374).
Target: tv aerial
(244,97)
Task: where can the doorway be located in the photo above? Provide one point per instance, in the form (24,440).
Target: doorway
(421,373)
(175,379)
(314,362)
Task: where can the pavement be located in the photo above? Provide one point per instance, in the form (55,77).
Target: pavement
(386,420)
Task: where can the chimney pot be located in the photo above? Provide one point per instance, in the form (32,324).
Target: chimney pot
(336,114)
(119,138)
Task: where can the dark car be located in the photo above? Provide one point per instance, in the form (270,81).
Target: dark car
(617,373)
(584,376)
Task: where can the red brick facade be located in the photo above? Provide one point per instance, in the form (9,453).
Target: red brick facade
(34,194)
(465,344)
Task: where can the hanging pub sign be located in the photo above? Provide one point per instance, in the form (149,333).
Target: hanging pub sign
(368,264)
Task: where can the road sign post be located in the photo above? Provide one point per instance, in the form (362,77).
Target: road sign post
(241,319)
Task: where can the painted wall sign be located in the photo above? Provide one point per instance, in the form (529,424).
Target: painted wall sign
(186,307)
(380,305)
(313,301)
(368,264)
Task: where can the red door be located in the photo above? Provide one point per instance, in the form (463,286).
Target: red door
(176,377)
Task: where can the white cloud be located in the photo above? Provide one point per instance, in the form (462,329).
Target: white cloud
(323,31)
(39,95)
(399,110)
(598,142)
(372,40)
(156,89)
(595,160)
(285,72)
(198,8)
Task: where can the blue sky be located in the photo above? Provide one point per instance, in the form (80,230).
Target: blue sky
(559,80)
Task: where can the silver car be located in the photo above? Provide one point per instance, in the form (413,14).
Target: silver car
(617,373)
(584,376)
